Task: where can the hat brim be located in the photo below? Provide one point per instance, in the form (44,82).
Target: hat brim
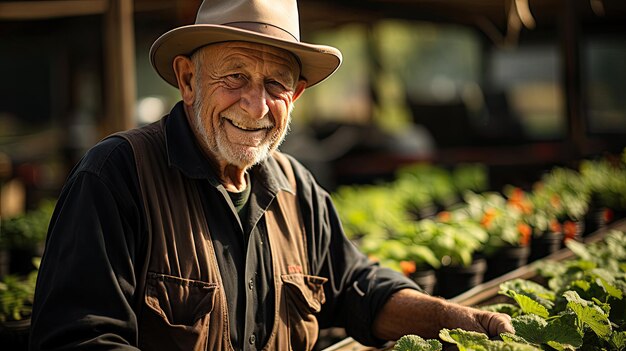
(318,61)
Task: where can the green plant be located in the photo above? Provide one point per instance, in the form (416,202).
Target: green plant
(405,249)
(504,219)
(470,177)
(16,296)
(605,181)
(582,308)
(375,218)
(583,305)
(29,229)
(412,342)
(436,180)
(462,339)
(455,241)
(367,210)
(567,192)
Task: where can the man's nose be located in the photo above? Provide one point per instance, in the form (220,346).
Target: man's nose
(254,100)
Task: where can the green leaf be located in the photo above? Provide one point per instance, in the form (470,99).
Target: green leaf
(618,340)
(528,305)
(536,330)
(610,289)
(508,337)
(465,340)
(472,341)
(560,347)
(415,343)
(579,250)
(530,289)
(563,331)
(582,284)
(589,314)
(530,327)
(420,253)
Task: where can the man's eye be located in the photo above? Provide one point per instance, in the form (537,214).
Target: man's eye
(276,86)
(236,76)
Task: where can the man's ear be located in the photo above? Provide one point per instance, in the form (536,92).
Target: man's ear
(300,87)
(184,70)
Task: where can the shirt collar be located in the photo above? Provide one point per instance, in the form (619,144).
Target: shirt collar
(184,153)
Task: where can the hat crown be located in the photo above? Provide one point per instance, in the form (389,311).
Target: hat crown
(279,15)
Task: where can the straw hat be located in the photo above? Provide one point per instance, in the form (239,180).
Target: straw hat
(270,22)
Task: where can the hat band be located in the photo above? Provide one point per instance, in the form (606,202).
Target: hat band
(264,28)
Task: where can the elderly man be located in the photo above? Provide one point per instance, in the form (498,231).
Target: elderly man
(194,233)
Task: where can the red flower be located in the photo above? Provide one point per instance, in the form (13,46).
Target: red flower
(569,230)
(607,215)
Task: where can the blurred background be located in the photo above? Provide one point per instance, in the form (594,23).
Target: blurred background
(521,90)
(518,85)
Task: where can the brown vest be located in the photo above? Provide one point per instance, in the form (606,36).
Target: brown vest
(185,306)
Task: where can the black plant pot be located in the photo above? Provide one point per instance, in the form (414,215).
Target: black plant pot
(506,259)
(596,219)
(453,280)
(5,262)
(426,278)
(544,245)
(14,335)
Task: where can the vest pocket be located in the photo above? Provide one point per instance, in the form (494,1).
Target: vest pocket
(176,313)
(304,296)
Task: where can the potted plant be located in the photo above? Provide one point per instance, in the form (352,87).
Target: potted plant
(457,243)
(415,198)
(367,209)
(605,180)
(436,180)
(503,218)
(570,200)
(24,236)
(16,300)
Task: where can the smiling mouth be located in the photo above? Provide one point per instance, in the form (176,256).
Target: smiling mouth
(244,128)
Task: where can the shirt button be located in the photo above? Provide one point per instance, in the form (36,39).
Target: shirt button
(252,339)
(250,284)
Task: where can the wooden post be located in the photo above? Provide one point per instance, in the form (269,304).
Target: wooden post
(574,98)
(119,68)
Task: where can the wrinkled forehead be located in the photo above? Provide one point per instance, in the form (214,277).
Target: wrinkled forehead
(252,54)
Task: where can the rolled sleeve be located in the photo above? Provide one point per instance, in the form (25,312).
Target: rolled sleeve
(357,288)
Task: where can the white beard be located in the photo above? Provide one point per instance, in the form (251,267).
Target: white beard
(218,145)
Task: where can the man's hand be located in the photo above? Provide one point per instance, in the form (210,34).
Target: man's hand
(411,312)
(472,319)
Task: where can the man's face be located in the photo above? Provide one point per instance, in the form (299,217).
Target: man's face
(244,96)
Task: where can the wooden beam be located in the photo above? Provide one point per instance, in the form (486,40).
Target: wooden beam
(119,68)
(33,10)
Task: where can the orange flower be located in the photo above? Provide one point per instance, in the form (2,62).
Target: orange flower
(373,258)
(488,217)
(408,267)
(555,201)
(525,233)
(555,226)
(444,216)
